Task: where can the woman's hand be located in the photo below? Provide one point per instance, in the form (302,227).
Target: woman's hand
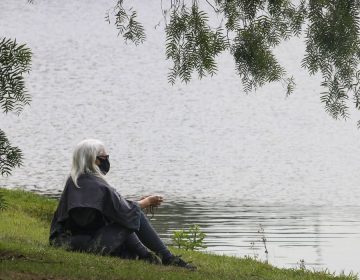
(155,200)
(151,200)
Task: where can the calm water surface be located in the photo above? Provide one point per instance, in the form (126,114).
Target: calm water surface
(227,161)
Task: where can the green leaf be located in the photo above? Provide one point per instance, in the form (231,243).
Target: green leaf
(10,157)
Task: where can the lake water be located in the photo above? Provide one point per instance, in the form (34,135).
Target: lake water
(227,161)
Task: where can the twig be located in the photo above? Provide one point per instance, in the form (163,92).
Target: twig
(216,10)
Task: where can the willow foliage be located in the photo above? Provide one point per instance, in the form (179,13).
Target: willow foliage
(247,29)
(15,61)
(250,30)
(126,23)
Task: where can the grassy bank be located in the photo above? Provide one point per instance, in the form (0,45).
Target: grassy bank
(25,254)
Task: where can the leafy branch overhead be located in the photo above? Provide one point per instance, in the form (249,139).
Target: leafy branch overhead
(15,61)
(250,30)
(192,44)
(10,157)
(126,23)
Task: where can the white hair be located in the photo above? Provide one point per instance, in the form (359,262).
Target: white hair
(84,158)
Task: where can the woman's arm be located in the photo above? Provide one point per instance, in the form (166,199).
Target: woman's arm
(152,200)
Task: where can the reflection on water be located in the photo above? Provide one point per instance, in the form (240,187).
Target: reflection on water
(292,233)
(322,236)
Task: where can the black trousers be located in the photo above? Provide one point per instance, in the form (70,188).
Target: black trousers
(115,240)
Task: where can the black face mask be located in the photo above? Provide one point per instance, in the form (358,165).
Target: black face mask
(104,165)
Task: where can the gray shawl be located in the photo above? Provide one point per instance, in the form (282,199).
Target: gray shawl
(94,192)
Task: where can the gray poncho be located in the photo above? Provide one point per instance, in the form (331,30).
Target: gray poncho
(94,193)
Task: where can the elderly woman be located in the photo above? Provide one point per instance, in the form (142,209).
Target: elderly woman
(93,217)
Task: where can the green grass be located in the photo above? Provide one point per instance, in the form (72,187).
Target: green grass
(25,254)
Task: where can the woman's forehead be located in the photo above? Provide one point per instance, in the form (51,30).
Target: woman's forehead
(102,152)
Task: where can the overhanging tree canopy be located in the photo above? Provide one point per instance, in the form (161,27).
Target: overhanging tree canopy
(15,60)
(250,30)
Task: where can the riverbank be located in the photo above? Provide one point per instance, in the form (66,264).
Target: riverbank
(25,254)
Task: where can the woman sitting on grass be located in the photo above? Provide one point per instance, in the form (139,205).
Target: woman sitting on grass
(93,217)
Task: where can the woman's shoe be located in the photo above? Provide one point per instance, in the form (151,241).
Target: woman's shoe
(177,261)
(151,258)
